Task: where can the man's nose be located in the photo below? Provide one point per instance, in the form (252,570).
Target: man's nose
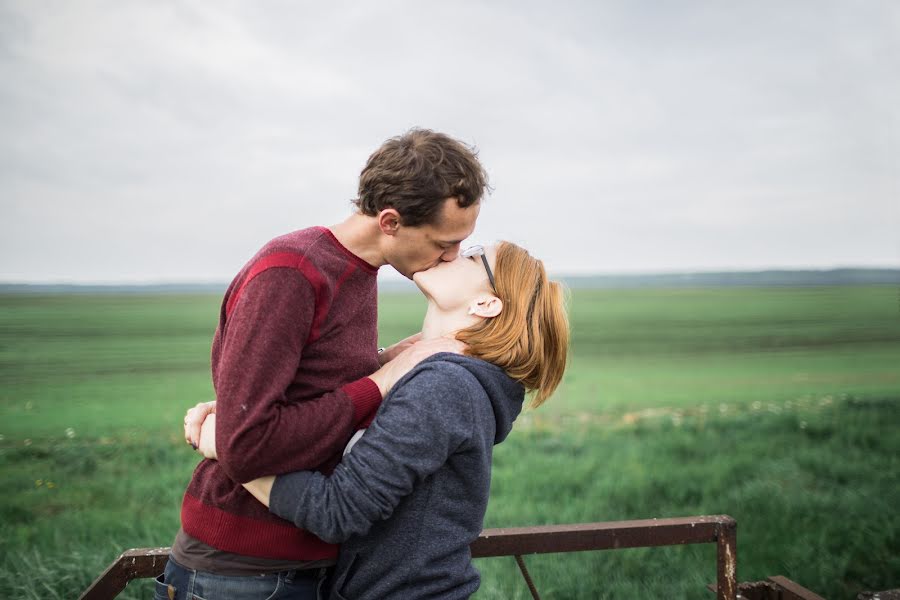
(450,254)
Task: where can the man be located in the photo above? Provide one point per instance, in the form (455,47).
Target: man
(295,366)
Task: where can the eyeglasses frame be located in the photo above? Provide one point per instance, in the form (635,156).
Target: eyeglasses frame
(478,250)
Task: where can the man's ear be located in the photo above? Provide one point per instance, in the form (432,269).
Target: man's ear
(389,221)
(486,307)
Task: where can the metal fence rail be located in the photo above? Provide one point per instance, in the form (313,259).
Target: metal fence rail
(517,542)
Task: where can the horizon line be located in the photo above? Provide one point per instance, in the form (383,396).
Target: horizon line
(396,278)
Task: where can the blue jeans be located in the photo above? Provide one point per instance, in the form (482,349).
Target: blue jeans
(181,583)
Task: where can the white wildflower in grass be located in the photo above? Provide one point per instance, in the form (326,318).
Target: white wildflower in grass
(802,424)
(27,441)
(757,405)
(70,433)
(1,437)
(723,408)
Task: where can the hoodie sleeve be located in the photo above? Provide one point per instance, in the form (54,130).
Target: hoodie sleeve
(423,422)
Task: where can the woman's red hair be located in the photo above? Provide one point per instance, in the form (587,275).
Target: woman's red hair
(529,339)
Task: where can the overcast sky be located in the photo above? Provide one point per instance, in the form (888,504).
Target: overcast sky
(167,141)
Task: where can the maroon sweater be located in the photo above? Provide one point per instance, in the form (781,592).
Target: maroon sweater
(296,340)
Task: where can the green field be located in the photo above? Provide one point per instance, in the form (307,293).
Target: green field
(779,406)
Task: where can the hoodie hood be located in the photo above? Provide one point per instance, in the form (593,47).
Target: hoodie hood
(506,395)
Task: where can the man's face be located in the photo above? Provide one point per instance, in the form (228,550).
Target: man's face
(414,249)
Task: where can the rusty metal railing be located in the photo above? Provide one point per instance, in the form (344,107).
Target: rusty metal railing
(614,535)
(773,588)
(517,542)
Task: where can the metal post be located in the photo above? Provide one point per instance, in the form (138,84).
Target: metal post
(521,562)
(726,560)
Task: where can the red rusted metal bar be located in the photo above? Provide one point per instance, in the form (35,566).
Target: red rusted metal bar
(792,590)
(598,536)
(131,564)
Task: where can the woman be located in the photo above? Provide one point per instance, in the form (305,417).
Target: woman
(410,497)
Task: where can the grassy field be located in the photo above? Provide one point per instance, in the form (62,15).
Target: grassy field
(778,406)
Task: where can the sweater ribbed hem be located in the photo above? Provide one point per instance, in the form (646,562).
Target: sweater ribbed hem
(251,537)
(366,398)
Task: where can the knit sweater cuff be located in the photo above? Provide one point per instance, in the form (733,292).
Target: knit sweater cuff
(366,398)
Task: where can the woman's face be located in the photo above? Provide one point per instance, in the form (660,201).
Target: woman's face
(454,285)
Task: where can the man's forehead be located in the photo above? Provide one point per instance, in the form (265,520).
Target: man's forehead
(450,236)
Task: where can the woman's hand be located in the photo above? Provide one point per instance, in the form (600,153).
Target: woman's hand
(193,421)
(207,445)
(391,372)
(200,432)
(261,488)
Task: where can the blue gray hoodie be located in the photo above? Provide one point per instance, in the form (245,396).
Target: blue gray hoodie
(411,496)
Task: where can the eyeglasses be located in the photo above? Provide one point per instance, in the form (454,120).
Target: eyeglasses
(479,251)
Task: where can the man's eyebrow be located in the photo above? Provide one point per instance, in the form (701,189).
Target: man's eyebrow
(450,242)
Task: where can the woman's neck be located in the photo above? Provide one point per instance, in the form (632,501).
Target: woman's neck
(439,323)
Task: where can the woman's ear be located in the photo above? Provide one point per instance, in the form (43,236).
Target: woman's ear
(389,221)
(486,307)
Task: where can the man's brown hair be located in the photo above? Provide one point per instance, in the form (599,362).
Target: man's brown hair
(415,172)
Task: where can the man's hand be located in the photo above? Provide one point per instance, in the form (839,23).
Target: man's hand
(391,352)
(207,445)
(193,421)
(391,372)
